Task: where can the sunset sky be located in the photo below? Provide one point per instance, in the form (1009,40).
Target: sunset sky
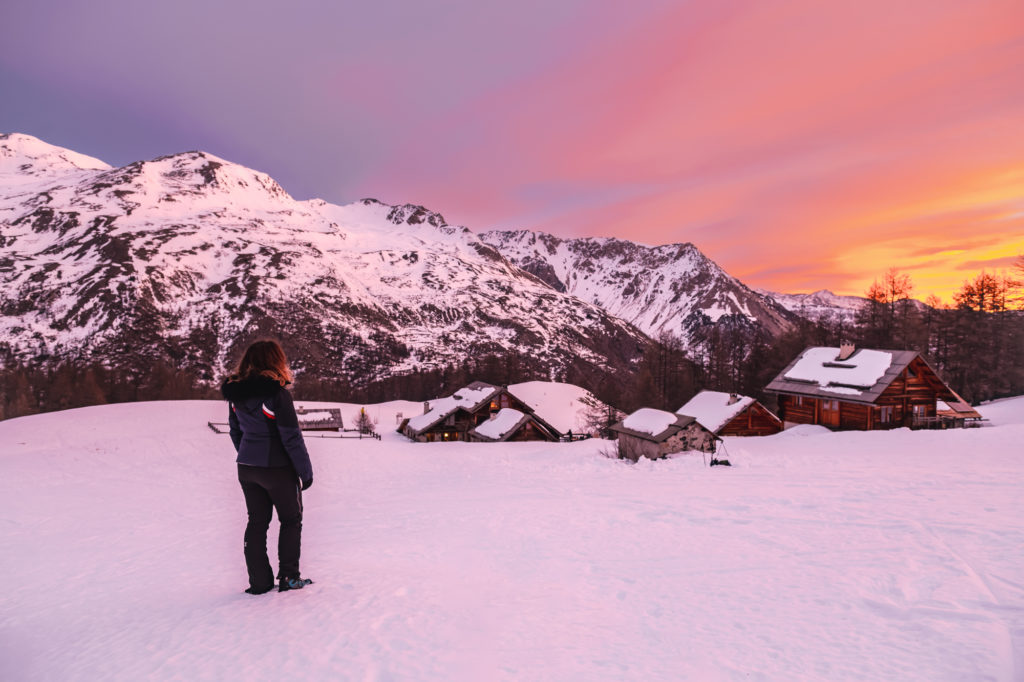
(800,144)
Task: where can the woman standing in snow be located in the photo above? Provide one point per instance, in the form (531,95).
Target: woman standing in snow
(273,465)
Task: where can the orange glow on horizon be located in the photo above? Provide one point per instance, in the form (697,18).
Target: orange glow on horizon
(800,145)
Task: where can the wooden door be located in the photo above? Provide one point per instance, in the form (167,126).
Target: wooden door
(830,413)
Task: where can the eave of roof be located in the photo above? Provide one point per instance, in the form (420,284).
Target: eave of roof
(505,436)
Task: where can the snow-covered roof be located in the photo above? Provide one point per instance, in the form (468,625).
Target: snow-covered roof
(649,420)
(862,370)
(556,403)
(652,424)
(319,415)
(956,406)
(713,409)
(466,398)
(501,424)
(862,377)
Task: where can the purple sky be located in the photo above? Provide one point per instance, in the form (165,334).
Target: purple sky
(800,144)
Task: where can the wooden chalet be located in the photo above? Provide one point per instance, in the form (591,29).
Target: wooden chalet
(509,424)
(729,414)
(862,389)
(655,434)
(455,417)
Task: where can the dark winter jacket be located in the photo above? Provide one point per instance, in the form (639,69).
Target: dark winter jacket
(264,427)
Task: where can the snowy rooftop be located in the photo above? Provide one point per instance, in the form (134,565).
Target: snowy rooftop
(500,424)
(556,403)
(713,410)
(320,415)
(863,369)
(649,420)
(862,377)
(465,398)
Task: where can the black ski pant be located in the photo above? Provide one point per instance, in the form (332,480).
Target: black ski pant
(266,489)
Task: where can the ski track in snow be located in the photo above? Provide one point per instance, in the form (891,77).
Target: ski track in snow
(818,556)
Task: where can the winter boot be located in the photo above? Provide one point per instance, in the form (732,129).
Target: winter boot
(259,590)
(295,583)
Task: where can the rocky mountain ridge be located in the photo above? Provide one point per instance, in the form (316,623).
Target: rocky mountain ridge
(672,289)
(188,257)
(185,258)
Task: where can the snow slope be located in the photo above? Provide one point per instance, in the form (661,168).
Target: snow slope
(818,556)
(184,259)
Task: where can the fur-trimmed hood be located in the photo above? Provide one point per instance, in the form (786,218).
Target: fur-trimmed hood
(250,387)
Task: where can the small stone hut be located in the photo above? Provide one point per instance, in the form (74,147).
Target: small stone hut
(655,434)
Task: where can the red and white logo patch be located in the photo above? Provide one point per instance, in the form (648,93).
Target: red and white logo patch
(268,412)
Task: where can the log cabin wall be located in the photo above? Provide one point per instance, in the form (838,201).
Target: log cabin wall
(453,427)
(753,421)
(915,390)
(531,430)
(797,409)
(854,416)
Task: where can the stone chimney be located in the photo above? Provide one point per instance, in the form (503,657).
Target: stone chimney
(733,399)
(426,407)
(845,351)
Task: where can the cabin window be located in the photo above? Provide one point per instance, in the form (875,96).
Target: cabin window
(494,405)
(911,374)
(798,401)
(919,410)
(885,414)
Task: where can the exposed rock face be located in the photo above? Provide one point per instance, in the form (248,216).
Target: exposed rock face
(187,258)
(820,305)
(671,289)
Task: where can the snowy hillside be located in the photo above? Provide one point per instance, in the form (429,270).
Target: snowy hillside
(673,288)
(186,257)
(818,556)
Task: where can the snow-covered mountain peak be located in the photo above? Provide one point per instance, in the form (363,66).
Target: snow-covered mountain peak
(818,305)
(672,289)
(197,173)
(413,214)
(186,256)
(24,158)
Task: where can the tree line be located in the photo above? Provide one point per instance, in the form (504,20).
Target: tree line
(976,344)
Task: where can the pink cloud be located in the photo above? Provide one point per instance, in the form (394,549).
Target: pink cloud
(762,132)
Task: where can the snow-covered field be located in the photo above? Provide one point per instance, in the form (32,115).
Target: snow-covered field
(819,556)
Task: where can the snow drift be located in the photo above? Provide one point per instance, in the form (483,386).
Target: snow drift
(838,556)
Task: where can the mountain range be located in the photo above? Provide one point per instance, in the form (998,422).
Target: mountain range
(187,258)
